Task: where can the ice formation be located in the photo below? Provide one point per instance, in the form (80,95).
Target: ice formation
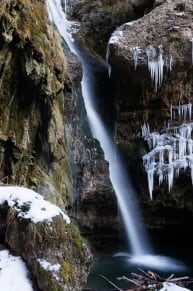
(107,60)
(171,150)
(136,52)
(182,112)
(156,62)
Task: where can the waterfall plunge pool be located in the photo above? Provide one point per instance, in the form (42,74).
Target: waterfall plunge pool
(175,260)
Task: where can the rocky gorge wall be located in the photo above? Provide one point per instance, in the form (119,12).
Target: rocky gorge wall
(91,182)
(33,146)
(168,29)
(99,18)
(165,26)
(33,77)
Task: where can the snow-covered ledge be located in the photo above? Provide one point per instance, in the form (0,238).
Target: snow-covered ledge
(29,204)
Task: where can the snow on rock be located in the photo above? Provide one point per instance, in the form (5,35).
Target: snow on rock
(48,266)
(29,204)
(13,273)
(115,37)
(172,287)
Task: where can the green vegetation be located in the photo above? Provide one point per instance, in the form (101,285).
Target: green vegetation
(114,8)
(66,271)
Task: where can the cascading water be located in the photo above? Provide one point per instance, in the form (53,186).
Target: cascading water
(122,186)
(136,236)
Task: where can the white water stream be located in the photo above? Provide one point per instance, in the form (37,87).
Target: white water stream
(136,236)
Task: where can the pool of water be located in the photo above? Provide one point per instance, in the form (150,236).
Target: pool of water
(177,261)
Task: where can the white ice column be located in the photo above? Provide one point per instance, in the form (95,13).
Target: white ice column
(150,176)
(189,105)
(107,59)
(136,53)
(170,176)
(189,146)
(182,147)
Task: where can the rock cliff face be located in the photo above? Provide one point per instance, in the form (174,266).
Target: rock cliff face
(162,40)
(33,77)
(92,186)
(33,150)
(99,18)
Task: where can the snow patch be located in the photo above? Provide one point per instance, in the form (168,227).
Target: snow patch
(29,204)
(116,36)
(172,287)
(13,273)
(48,266)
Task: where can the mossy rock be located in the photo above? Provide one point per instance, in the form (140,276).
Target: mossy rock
(56,243)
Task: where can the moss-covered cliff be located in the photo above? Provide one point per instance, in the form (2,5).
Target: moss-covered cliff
(33,150)
(32,81)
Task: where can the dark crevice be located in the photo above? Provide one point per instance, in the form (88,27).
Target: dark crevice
(42,144)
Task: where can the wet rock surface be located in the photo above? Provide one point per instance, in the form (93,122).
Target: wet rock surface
(95,206)
(33,150)
(100,18)
(168,28)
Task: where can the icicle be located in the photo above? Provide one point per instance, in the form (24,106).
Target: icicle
(145,131)
(155,139)
(171,62)
(150,176)
(177,173)
(185,131)
(155,65)
(190,110)
(174,150)
(189,146)
(160,174)
(182,147)
(171,112)
(179,111)
(185,108)
(170,154)
(107,59)
(160,65)
(161,156)
(136,52)
(170,176)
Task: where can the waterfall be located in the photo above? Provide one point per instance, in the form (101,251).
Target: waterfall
(135,233)
(125,193)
